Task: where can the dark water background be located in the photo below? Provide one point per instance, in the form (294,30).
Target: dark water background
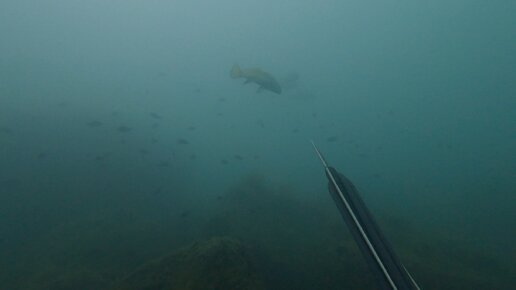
(123,138)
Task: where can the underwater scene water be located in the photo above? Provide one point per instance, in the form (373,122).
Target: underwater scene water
(166,144)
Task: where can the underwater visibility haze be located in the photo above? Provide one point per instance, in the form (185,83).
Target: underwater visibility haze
(166,144)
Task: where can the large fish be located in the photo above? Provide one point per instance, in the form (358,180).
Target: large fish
(264,80)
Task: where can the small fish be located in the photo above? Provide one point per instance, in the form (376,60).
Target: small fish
(224,161)
(11,183)
(155,126)
(222,100)
(124,129)
(41,155)
(164,164)
(295,130)
(182,141)
(143,151)
(155,116)
(185,214)
(191,128)
(264,80)
(5,130)
(238,157)
(62,104)
(94,124)
(193,157)
(332,139)
(100,158)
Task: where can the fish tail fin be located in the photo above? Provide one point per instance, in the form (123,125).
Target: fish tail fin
(236,72)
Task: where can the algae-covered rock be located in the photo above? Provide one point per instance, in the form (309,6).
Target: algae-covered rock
(218,263)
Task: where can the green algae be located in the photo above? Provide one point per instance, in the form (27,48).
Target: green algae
(218,263)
